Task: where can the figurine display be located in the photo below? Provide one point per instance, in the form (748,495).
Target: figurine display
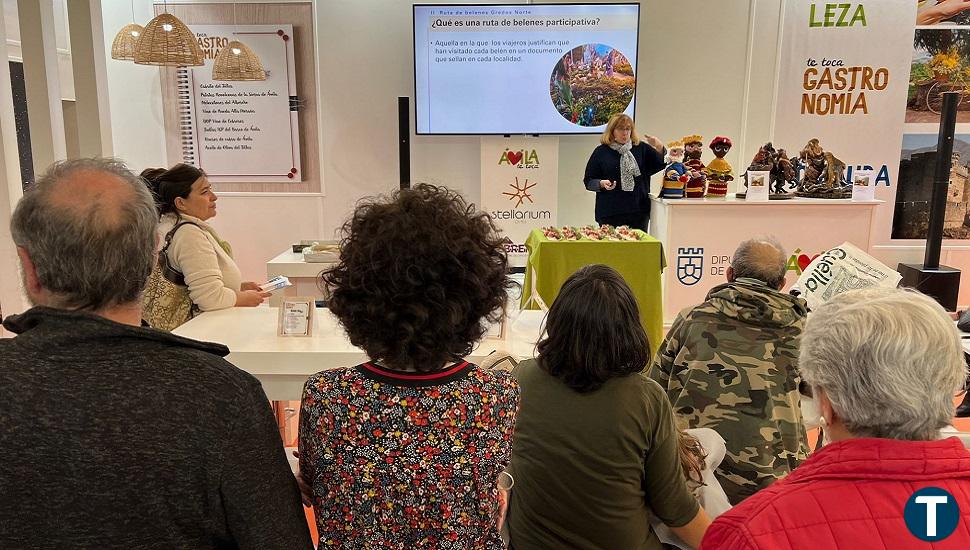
(783,174)
(780,170)
(697,184)
(824,174)
(675,173)
(763,161)
(719,172)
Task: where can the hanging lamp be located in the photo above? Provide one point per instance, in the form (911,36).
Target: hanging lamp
(167,41)
(123,46)
(237,61)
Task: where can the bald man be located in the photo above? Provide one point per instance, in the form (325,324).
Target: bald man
(730,364)
(113,435)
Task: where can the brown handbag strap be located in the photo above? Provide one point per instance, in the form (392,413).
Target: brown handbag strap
(168,271)
(171,233)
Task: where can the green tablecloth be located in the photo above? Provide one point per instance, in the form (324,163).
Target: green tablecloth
(639,262)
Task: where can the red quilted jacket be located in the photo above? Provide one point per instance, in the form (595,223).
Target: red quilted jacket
(850,495)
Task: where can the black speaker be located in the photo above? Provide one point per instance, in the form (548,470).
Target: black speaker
(404,141)
(938,281)
(941,283)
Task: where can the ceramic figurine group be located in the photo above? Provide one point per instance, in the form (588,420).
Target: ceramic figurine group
(822,173)
(782,172)
(686,175)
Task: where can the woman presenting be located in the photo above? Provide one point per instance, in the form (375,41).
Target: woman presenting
(619,173)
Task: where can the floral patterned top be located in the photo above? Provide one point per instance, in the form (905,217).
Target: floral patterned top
(407,460)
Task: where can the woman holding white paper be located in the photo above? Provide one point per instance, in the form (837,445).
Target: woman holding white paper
(186,201)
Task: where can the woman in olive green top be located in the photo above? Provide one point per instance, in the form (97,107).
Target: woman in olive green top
(595,443)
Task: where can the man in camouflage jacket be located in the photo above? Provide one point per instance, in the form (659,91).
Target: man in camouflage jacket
(731,364)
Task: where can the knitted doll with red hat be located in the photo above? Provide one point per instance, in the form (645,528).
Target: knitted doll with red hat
(719,172)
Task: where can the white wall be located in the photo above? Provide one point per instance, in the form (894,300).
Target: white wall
(362,80)
(362,73)
(62,39)
(704,67)
(134,93)
(12,299)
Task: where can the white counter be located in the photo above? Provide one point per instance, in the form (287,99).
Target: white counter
(303,275)
(283,364)
(700,236)
(732,200)
(291,264)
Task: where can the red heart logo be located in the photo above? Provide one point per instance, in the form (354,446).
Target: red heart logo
(804,260)
(514,157)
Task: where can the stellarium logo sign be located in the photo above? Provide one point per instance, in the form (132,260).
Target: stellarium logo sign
(524,207)
(520,193)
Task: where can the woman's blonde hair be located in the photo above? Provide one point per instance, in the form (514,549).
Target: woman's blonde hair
(616,120)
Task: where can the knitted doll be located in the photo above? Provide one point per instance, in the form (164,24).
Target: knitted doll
(675,174)
(697,184)
(719,172)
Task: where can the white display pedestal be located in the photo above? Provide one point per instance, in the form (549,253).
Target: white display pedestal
(305,276)
(700,235)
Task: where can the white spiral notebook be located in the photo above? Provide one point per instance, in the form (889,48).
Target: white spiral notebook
(242,130)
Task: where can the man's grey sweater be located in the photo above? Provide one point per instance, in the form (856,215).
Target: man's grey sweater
(113,436)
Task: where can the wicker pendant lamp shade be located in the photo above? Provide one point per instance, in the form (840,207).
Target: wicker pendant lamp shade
(237,62)
(123,46)
(167,41)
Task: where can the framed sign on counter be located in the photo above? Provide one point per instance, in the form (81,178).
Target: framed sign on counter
(296,316)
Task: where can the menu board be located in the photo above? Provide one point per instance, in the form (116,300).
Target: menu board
(242,130)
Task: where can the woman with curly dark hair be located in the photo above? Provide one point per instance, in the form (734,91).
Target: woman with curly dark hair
(406,450)
(596,447)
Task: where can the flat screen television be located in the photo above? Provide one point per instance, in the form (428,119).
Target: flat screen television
(523,68)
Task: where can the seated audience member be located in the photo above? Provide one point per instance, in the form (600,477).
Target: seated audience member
(405,451)
(115,435)
(596,448)
(730,364)
(883,365)
(186,203)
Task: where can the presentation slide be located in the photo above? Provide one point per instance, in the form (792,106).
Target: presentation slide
(523,69)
